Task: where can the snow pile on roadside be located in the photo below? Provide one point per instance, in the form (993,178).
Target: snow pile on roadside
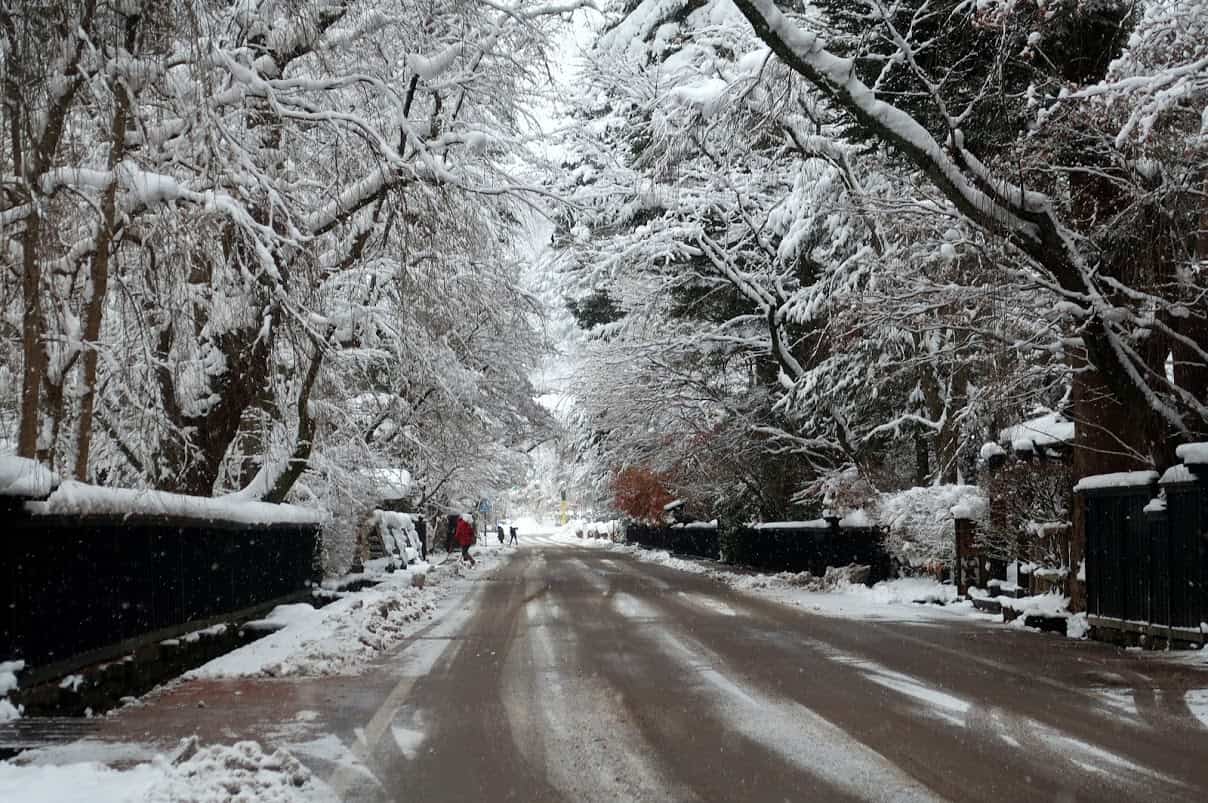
(8,682)
(76,783)
(240,772)
(888,599)
(1077,626)
(1054,606)
(353,629)
(665,558)
(908,590)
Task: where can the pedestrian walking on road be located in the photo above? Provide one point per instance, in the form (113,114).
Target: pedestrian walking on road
(512,540)
(465,537)
(499,532)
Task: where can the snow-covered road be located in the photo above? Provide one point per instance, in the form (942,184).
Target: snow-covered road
(587,675)
(581,674)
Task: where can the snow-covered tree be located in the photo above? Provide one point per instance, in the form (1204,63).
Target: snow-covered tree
(777,301)
(257,239)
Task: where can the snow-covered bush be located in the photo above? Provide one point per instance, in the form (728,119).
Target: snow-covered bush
(919,522)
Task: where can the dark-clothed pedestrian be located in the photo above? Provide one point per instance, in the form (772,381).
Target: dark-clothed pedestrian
(499,532)
(450,530)
(465,537)
(512,540)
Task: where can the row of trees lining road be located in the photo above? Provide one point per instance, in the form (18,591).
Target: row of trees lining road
(855,240)
(268,247)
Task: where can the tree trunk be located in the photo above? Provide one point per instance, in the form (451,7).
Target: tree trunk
(304,441)
(32,348)
(99,273)
(922,460)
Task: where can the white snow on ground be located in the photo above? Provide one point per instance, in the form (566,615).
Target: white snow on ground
(791,730)
(320,641)
(408,740)
(1121,701)
(1197,701)
(706,601)
(1048,605)
(85,751)
(329,748)
(585,758)
(901,599)
(936,702)
(240,772)
(306,640)
(76,783)
(887,600)
(631,607)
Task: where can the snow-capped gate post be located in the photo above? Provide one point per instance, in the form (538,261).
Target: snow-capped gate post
(968,561)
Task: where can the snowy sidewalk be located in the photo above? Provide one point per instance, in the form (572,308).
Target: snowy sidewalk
(206,736)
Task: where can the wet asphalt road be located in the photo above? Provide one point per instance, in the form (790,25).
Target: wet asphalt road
(582,674)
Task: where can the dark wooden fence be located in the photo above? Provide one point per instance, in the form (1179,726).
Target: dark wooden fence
(76,590)
(808,547)
(1147,563)
(698,540)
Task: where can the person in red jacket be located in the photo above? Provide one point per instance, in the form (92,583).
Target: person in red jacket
(465,537)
